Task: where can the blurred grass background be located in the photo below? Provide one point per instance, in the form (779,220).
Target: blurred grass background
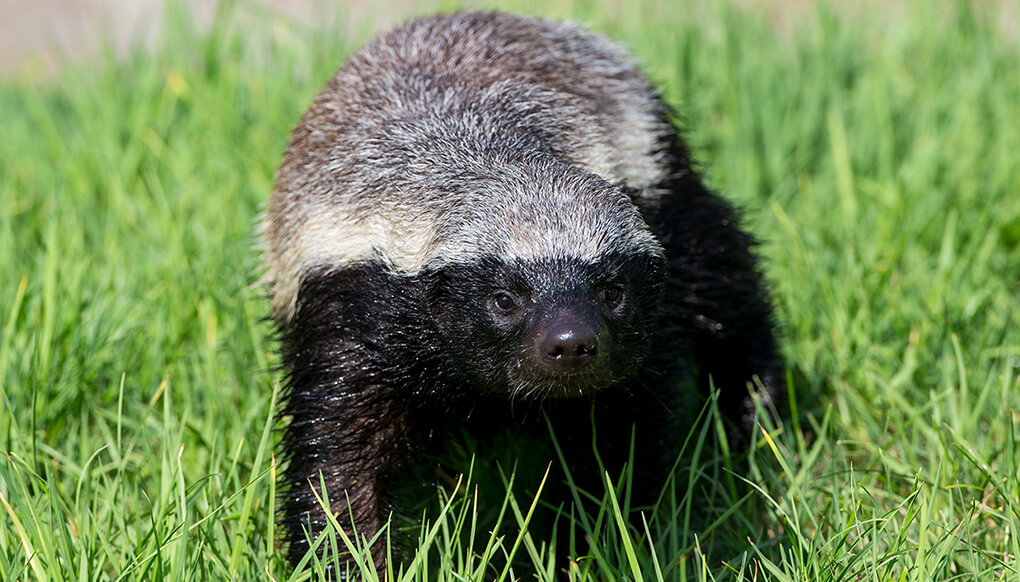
(876,151)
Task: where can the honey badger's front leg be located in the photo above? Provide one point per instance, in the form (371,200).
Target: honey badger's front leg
(347,428)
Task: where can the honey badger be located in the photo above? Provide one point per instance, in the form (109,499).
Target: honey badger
(481,221)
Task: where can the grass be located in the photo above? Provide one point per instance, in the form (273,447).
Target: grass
(877,157)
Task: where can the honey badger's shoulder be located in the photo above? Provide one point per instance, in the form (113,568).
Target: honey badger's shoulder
(372,169)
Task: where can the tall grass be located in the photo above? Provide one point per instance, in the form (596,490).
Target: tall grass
(877,158)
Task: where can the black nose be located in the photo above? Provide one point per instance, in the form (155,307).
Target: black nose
(568,344)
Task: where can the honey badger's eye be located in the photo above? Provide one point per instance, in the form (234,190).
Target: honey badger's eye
(503,302)
(612,295)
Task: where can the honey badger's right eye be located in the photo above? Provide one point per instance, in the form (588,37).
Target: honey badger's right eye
(503,302)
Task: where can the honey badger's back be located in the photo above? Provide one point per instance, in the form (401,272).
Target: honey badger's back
(434,104)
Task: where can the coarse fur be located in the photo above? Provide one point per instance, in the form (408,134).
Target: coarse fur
(486,220)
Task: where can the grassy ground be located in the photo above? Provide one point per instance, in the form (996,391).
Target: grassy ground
(879,160)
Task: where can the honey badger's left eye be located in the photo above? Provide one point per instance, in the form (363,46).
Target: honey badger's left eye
(612,295)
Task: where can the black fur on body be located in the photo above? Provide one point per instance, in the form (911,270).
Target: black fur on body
(484,220)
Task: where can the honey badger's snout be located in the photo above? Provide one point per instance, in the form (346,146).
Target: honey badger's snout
(568,341)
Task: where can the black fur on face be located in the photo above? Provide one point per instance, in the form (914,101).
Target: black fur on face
(552,328)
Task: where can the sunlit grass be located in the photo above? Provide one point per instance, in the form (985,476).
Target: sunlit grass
(877,158)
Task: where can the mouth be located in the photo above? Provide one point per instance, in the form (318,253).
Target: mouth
(559,385)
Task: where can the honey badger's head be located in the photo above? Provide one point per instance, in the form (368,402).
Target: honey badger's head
(553,327)
(551,293)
